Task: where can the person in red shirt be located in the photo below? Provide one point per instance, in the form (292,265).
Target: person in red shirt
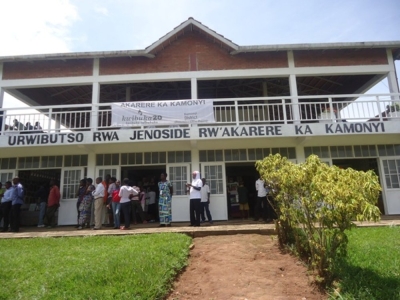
(53,203)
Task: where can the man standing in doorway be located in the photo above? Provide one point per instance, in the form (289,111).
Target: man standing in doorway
(98,195)
(261,200)
(17,201)
(195,199)
(53,203)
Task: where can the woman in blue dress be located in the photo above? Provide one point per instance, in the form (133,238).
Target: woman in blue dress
(164,202)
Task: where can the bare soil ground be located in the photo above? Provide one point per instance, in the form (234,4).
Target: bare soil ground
(243,266)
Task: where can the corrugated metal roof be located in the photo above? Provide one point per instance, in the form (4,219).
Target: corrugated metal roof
(188,24)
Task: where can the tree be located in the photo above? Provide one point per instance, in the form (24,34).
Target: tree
(316,203)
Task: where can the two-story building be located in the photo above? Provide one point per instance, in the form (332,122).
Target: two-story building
(139,113)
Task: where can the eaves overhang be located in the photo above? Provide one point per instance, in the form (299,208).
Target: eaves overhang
(76,55)
(318,46)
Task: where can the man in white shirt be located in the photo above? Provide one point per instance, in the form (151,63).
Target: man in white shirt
(98,195)
(261,200)
(195,198)
(205,201)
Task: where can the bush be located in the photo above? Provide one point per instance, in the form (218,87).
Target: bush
(316,203)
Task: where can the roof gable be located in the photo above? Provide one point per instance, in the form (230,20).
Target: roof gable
(189,26)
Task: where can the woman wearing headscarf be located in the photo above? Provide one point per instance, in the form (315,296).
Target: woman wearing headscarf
(164,202)
(195,198)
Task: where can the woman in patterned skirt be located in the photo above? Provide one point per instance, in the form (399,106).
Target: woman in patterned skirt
(85,207)
(164,202)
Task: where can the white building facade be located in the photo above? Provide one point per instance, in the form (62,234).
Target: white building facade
(295,100)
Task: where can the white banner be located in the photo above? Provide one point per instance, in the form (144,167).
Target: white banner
(162,112)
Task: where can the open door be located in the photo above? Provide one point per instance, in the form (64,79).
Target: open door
(215,177)
(179,175)
(390,170)
(70,178)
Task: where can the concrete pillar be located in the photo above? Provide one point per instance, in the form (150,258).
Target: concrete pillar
(194,151)
(195,158)
(193,86)
(1,88)
(95,95)
(293,89)
(2,120)
(300,155)
(392,78)
(91,166)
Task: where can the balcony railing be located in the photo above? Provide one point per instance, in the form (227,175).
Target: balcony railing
(233,111)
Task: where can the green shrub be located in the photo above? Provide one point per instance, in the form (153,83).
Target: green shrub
(316,203)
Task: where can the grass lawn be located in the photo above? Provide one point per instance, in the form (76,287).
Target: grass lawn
(95,267)
(372,268)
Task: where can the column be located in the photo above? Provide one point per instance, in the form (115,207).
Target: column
(95,95)
(2,121)
(194,151)
(392,78)
(293,89)
(195,158)
(193,86)
(300,155)
(1,88)
(91,166)
(265,108)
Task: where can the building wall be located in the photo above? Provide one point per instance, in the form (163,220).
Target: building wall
(47,69)
(192,52)
(335,57)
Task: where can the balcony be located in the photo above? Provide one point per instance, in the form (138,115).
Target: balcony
(232,112)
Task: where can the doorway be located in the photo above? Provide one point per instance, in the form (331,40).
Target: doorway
(147,179)
(32,180)
(236,172)
(362,164)
(143,176)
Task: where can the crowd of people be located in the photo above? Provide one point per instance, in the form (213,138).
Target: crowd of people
(119,204)
(27,128)
(12,198)
(123,202)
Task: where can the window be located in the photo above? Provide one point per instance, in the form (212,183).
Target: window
(75,160)
(178,175)
(131,158)
(214,176)
(51,161)
(71,183)
(8,163)
(5,176)
(388,150)
(391,169)
(108,171)
(321,152)
(179,156)
(107,159)
(211,155)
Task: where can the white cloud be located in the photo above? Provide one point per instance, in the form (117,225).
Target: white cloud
(36,27)
(101,10)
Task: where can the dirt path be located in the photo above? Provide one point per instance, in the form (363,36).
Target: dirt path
(243,266)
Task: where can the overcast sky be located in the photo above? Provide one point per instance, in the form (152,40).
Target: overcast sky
(56,26)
